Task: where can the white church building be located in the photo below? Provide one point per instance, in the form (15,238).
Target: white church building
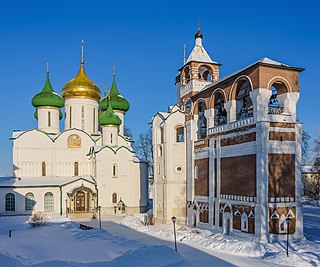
(89,164)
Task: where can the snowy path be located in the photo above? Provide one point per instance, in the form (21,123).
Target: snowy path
(193,256)
(311,224)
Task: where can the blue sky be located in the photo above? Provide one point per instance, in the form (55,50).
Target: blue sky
(146,39)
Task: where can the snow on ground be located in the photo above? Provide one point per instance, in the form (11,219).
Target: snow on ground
(63,243)
(127,242)
(301,253)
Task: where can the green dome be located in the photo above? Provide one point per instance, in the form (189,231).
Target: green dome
(47,97)
(117,101)
(108,117)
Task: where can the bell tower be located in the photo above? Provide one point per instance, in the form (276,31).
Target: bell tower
(198,70)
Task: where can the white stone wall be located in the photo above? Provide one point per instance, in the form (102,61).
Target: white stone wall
(48,119)
(84,114)
(34,147)
(130,181)
(169,168)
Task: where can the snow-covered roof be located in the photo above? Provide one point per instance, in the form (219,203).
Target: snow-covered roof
(264,60)
(310,169)
(41,181)
(198,53)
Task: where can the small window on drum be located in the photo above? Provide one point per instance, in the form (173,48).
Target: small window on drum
(180,134)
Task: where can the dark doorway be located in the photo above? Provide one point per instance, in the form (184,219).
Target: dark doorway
(80,202)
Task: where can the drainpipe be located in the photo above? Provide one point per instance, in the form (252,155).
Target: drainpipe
(97,196)
(60,200)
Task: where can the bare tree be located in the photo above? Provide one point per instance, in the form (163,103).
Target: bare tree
(127,132)
(143,147)
(305,146)
(316,152)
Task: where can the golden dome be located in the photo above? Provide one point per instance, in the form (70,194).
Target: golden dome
(81,87)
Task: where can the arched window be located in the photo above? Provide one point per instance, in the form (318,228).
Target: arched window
(274,106)
(10,202)
(111,138)
(114,170)
(29,201)
(202,121)
(161,139)
(43,167)
(196,172)
(48,202)
(282,224)
(244,104)
(114,198)
(49,119)
(76,168)
(220,113)
(160,151)
(244,222)
(205,73)
(180,134)
(186,75)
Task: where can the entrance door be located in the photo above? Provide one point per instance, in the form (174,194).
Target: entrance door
(80,201)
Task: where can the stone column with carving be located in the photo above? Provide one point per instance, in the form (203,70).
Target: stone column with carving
(230,107)
(209,114)
(289,102)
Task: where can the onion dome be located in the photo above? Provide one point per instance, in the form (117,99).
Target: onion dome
(198,34)
(117,101)
(81,87)
(109,117)
(47,97)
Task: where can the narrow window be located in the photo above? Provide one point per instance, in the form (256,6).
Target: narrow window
(70,117)
(202,121)
(158,168)
(282,224)
(10,202)
(29,201)
(49,119)
(196,172)
(76,169)
(180,134)
(44,171)
(244,222)
(111,139)
(114,170)
(82,118)
(244,107)
(48,202)
(94,121)
(161,135)
(114,198)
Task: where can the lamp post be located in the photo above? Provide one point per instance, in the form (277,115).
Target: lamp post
(288,221)
(99,209)
(174,219)
(66,208)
